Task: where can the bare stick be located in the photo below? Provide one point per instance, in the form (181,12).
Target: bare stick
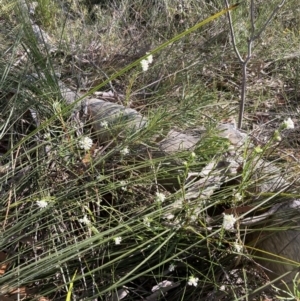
(252,38)
(233,35)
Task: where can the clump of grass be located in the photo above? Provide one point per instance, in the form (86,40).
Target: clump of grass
(105,211)
(47,12)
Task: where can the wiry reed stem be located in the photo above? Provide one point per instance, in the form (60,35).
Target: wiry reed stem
(244,62)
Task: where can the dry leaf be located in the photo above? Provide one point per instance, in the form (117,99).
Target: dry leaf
(3,266)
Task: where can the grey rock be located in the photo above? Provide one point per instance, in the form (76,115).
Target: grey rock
(176,141)
(230,132)
(120,121)
(69,95)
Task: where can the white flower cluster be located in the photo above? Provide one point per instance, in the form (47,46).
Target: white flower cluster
(285,125)
(146,62)
(146,221)
(238,197)
(288,124)
(193,281)
(42,204)
(104,124)
(47,136)
(124,185)
(85,143)
(238,247)
(125,151)
(160,197)
(118,240)
(172,267)
(84,220)
(228,221)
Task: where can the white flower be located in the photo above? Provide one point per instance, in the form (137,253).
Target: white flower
(172,267)
(47,136)
(149,58)
(118,240)
(193,281)
(288,124)
(193,155)
(124,151)
(104,124)
(160,197)
(238,197)
(42,204)
(84,220)
(124,185)
(194,218)
(145,65)
(146,62)
(228,221)
(146,221)
(85,143)
(238,247)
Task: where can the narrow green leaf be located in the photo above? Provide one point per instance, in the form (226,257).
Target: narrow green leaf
(71,287)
